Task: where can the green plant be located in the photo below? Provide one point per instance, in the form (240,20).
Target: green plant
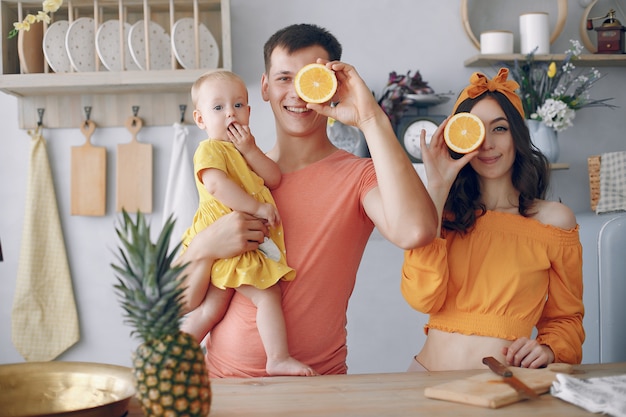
(393,100)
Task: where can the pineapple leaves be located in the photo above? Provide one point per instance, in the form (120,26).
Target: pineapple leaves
(149,285)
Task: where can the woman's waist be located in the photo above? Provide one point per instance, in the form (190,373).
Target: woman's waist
(445,351)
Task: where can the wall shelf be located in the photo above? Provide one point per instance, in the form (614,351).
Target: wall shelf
(556,166)
(587,60)
(110,94)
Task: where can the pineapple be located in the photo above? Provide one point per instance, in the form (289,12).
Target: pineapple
(170,372)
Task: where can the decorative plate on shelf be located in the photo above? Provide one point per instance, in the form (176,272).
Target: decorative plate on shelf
(80,44)
(427,99)
(108,46)
(160,47)
(344,136)
(54,46)
(184,45)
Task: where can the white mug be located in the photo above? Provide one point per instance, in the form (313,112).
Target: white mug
(534,29)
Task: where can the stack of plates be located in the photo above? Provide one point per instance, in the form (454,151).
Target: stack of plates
(76,46)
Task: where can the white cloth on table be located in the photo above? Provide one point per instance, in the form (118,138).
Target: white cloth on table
(181,196)
(597,395)
(44,317)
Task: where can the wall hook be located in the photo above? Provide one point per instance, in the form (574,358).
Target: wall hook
(135,112)
(40,114)
(183,109)
(87,112)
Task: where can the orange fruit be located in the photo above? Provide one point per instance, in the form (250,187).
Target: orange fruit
(315,83)
(464,133)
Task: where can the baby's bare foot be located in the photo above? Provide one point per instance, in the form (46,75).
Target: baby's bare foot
(288,366)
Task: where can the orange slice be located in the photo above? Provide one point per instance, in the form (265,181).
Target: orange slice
(464,133)
(315,83)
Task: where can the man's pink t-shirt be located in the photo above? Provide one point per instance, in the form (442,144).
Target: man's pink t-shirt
(326,230)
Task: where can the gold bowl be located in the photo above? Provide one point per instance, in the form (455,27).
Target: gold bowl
(65,389)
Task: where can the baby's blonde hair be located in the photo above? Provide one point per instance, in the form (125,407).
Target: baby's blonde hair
(213,75)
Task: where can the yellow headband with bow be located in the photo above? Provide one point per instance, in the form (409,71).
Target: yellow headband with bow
(479,84)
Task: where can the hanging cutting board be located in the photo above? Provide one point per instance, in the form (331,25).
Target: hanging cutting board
(134,172)
(490,391)
(89,172)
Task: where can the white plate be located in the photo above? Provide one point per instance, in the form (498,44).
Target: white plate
(54,46)
(183,42)
(344,136)
(81,46)
(108,46)
(160,47)
(430,99)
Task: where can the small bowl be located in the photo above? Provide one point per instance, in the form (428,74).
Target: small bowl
(65,389)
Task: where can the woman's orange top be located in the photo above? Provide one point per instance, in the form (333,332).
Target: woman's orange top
(508,274)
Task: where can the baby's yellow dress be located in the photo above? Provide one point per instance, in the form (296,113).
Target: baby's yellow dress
(253,267)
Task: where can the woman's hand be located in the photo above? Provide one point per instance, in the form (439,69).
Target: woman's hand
(527,353)
(441,168)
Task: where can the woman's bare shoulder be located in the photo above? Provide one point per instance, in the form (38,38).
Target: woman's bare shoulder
(555,214)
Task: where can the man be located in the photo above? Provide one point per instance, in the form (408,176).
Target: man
(329,202)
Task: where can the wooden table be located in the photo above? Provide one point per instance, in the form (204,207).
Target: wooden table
(380,395)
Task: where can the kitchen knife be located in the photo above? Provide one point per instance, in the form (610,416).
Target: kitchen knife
(507,376)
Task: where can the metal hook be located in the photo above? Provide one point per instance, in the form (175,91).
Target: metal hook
(40,113)
(183,109)
(135,112)
(87,112)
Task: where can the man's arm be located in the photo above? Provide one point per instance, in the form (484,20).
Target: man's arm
(230,235)
(400,206)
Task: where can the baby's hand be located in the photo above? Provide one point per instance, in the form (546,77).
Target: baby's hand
(268,212)
(241,137)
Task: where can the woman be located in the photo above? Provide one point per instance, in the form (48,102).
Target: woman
(505,259)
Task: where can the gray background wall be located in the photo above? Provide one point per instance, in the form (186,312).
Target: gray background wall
(378,37)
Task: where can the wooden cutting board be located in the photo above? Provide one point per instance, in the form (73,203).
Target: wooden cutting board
(490,391)
(89,173)
(134,172)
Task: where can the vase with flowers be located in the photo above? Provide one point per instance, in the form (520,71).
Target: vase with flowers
(551,94)
(47,7)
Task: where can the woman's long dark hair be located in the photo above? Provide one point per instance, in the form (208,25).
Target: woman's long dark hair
(530,172)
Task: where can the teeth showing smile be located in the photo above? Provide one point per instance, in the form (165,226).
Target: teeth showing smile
(297,109)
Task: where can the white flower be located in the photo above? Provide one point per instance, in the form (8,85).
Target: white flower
(51,6)
(555,114)
(43,17)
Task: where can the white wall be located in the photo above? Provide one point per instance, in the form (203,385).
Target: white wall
(378,37)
